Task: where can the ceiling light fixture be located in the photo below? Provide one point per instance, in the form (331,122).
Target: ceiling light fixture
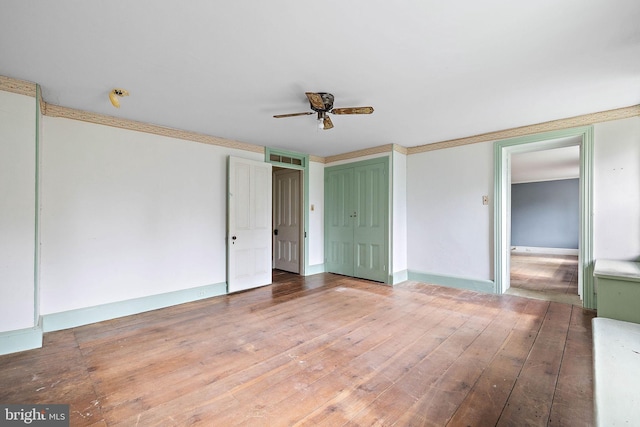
(114,94)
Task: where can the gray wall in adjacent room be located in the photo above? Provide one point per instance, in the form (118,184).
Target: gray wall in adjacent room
(545,214)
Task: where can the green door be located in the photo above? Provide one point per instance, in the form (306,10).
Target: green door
(356,221)
(339,221)
(370,223)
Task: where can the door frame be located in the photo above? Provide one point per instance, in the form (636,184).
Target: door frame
(301,238)
(502,202)
(292,160)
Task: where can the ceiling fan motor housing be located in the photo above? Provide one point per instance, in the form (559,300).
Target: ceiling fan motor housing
(327,99)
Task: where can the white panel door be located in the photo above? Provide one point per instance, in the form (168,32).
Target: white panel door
(286,220)
(249,224)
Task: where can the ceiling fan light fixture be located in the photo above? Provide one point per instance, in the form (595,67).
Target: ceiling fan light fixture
(321,116)
(322,103)
(115,94)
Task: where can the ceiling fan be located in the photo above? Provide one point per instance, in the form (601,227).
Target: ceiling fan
(322,103)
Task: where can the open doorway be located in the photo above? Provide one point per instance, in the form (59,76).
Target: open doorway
(288,228)
(503,153)
(545,215)
(290,209)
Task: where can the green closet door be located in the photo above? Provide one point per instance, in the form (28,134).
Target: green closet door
(339,221)
(356,221)
(370,222)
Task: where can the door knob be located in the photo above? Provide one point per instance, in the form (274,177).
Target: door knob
(275,232)
(233,238)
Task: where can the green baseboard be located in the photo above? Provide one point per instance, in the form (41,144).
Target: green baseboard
(399,277)
(20,340)
(313,269)
(478,285)
(99,313)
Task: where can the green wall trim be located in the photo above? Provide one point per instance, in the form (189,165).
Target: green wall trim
(99,313)
(314,269)
(36,226)
(367,162)
(477,285)
(399,277)
(20,340)
(502,180)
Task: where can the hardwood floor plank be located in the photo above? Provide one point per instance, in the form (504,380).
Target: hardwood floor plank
(550,277)
(456,383)
(320,350)
(531,399)
(371,372)
(420,384)
(53,374)
(495,383)
(573,398)
(222,357)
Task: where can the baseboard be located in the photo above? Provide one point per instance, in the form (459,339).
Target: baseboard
(20,340)
(478,285)
(399,277)
(310,270)
(99,313)
(543,251)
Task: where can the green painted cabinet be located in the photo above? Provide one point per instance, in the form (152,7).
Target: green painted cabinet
(618,289)
(356,219)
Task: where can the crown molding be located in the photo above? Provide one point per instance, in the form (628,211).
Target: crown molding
(73,114)
(388,148)
(571,122)
(316,159)
(23,87)
(400,149)
(20,87)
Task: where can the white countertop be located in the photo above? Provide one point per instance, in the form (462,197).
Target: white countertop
(607,268)
(616,356)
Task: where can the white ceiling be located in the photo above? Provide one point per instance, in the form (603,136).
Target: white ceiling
(546,165)
(433,70)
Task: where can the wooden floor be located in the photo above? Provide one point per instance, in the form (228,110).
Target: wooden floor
(321,350)
(548,277)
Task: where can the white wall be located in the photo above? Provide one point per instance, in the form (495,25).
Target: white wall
(17,211)
(128,214)
(616,220)
(450,231)
(399,246)
(316,216)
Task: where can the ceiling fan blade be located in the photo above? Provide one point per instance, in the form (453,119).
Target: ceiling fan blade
(316,100)
(353,110)
(327,123)
(279,116)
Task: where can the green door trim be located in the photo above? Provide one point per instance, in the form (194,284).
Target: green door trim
(297,161)
(384,160)
(502,199)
